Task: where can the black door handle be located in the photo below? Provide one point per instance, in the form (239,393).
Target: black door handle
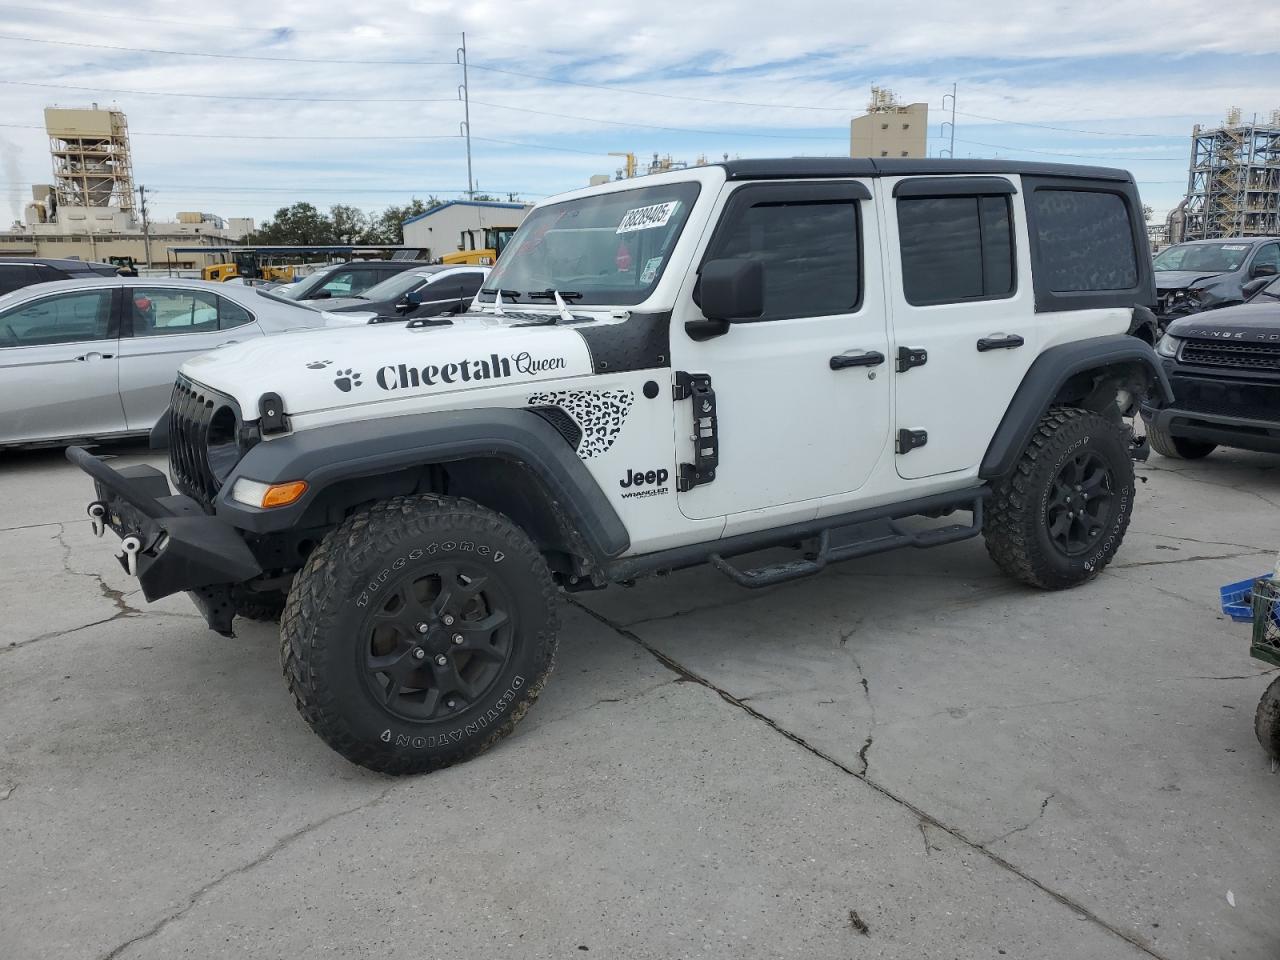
(1000,342)
(872,358)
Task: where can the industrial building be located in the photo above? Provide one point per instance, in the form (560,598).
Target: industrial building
(1233,185)
(91,210)
(889,128)
(460,224)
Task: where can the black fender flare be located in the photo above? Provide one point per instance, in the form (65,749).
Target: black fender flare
(364,448)
(1047,376)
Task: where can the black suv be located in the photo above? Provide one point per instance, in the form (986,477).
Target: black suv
(1224,366)
(17,273)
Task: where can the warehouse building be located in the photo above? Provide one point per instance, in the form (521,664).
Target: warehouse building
(460,225)
(889,128)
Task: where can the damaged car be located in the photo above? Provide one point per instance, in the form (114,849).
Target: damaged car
(1207,274)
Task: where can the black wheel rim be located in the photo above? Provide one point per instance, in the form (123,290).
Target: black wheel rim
(436,641)
(1080,503)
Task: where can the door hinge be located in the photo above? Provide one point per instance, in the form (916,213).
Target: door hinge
(908,440)
(909,357)
(706,437)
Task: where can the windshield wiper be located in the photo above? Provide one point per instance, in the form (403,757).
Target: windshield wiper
(509,294)
(550,294)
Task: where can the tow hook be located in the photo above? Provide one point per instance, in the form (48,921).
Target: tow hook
(131,546)
(1139,449)
(98,517)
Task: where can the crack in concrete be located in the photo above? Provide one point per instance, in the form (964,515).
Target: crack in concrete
(1238,488)
(53,635)
(202,892)
(1167,563)
(1210,543)
(955,832)
(1242,676)
(34,526)
(1044,805)
(117,597)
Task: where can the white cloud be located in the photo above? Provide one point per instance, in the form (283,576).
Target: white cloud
(1120,66)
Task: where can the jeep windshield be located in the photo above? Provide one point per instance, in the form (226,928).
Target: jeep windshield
(610,248)
(1202,257)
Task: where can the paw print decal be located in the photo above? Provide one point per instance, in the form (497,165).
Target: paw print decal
(345,380)
(318,364)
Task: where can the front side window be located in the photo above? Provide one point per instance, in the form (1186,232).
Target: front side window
(609,248)
(68,318)
(1268,257)
(955,248)
(341,284)
(810,251)
(161,311)
(1085,241)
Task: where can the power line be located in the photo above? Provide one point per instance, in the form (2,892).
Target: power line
(649,93)
(226,56)
(228,96)
(651,126)
(538,146)
(1055,153)
(1094,133)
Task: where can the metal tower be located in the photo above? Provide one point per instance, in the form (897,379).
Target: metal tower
(1233,186)
(92,166)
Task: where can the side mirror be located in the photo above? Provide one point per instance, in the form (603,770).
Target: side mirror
(1253,286)
(412,301)
(732,290)
(1263,270)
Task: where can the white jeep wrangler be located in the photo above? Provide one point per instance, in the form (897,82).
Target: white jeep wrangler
(663,372)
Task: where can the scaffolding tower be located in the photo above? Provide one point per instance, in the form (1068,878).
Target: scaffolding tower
(92,166)
(1233,186)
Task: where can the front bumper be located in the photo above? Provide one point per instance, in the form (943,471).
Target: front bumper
(170,543)
(1243,433)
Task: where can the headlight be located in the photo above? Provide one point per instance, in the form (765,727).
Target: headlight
(1167,346)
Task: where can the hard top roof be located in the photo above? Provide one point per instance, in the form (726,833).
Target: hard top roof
(789,168)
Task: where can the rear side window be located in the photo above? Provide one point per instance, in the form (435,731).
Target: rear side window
(955,248)
(16,276)
(809,250)
(231,314)
(1085,241)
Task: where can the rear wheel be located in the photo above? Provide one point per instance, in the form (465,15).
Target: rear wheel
(1062,513)
(1176,448)
(418,633)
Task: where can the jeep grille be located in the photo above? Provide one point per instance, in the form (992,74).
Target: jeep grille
(1232,353)
(203,429)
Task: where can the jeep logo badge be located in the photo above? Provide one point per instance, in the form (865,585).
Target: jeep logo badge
(638,478)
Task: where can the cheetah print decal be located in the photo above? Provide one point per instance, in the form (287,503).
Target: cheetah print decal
(599,413)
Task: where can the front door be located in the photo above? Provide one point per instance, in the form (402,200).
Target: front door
(962,301)
(803,392)
(58,368)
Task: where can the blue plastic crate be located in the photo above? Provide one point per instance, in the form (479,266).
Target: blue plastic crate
(1237,598)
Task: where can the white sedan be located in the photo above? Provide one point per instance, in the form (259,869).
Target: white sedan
(97,358)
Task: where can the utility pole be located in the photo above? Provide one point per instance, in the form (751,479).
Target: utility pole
(951,149)
(464,94)
(146,223)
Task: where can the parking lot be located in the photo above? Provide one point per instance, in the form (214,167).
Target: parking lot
(907,756)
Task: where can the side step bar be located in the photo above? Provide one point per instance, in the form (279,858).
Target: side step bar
(897,536)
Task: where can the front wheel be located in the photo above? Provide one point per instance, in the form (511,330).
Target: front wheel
(1176,448)
(1061,515)
(418,633)
(1266,721)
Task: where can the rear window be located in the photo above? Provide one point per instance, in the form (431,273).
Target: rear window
(1085,240)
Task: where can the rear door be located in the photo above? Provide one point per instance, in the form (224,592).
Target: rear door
(58,367)
(164,326)
(963,316)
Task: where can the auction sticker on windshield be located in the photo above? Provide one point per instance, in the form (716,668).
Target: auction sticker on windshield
(647,218)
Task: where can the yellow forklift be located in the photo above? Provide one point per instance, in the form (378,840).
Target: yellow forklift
(249,265)
(495,241)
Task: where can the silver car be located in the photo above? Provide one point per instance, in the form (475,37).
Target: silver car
(97,358)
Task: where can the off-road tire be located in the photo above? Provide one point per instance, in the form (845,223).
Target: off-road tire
(1266,722)
(351,578)
(1176,448)
(1015,525)
(263,607)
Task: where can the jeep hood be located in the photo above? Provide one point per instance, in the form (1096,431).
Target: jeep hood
(1181,279)
(354,366)
(1246,321)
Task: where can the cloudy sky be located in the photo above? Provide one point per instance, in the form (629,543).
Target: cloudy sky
(239,108)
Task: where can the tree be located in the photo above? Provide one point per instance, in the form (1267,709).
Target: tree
(387,226)
(350,224)
(299,225)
